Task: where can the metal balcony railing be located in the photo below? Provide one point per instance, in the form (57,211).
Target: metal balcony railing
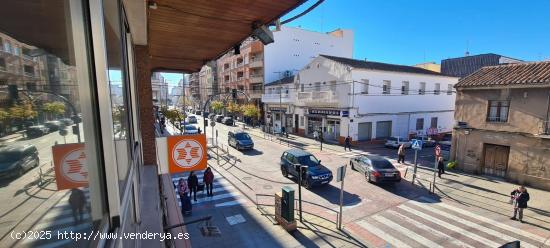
(497,119)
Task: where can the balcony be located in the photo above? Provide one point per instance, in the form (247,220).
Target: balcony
(255,94)
(278,98)
(317,98)
(256,78)
(256,63)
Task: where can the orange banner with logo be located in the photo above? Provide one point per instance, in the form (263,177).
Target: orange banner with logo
(186,153)
(71,170)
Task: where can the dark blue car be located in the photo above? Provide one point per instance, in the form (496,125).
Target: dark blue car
(315,174)
(240,140)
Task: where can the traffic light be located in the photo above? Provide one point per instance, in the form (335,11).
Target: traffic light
(13,92)
(234,93)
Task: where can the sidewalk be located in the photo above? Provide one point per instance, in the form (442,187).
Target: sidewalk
(12,137)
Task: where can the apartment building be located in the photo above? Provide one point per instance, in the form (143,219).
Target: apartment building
(295,47)
(370,100)
(243,71)
(159,88)
(464,66)
(503,123)
(208,81)
(278,102)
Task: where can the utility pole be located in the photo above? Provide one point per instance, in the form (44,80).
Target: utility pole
(281,107)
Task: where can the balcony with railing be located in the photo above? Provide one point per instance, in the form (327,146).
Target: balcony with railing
(256,78)
(317,98)
(278,98)
(256,62)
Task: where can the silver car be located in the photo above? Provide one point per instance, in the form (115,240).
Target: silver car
(375,168)
(395,142)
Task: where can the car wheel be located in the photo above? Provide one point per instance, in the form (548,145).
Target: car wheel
(352,166)
(20,172)
(306,184)
(237,147)
(367,176)
(284,171)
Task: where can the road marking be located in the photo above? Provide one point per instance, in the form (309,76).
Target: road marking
(429,229)
(231,203)
(490,221)
(410,234)
(472,224)
(382,234)
(450,227)
(58,222)
(227,188)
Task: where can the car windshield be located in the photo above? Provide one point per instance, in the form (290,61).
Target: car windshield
(382,164)
(242,136)
(190,127)
(309,160)
(9,156)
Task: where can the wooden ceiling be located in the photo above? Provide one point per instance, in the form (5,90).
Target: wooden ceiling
(185,34)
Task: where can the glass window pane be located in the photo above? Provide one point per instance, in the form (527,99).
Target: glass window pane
(117,82)
(50,174)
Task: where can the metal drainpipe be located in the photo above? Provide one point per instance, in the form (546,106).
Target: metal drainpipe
(546,121)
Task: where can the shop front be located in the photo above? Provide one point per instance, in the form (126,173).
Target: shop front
(276,118)
(326,121)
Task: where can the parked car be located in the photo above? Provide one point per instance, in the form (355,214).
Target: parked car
(205,114)
(315,173)
(212,117)
(198,112)
(445,149)
(219,118)
(191,119)
(240,140)
(15,160)
(37,131)
(395,142)
(66,121)
(228,121)
(375,168)
(53,125)
(427,142)
(190,129)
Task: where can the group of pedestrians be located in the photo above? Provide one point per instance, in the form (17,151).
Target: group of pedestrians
(188,190)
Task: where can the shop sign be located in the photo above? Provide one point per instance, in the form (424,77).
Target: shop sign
(345,113)
(71,170)
(277,109)
(186,153)
(324,112)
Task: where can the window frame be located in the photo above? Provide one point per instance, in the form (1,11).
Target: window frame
(499,107)
(419,121)
(386,87)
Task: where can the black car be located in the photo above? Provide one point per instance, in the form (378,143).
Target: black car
(66,121)
(198,112)
(375,168)
(219,118)
(16,160)
(205,114)
(37,131)
(54,125)
(228,121)
(315,174)
(240,140)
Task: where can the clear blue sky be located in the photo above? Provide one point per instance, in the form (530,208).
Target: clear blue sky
(410,32)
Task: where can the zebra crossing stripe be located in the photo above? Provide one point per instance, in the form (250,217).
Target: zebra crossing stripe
(490,221)
(410,234)
(58,222)
(380,233)
(472,224)
(450,227)
(429,229)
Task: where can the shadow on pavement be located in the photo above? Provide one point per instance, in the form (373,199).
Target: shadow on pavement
(332,195)
(252,152)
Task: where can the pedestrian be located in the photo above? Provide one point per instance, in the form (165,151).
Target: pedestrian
(401,154)
(315,135)
(184,197)
(193,184)
(208,179)
(519,197)
(440,167)
(77,201)
(283,130)
(199,130)
(347,143)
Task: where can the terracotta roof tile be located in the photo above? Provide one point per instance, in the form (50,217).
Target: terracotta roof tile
(536,73)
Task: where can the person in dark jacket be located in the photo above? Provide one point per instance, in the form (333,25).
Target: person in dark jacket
(440,167)
(193,183)
(182,192)
(77,200)
(208,179)
(347,143)
(520,198)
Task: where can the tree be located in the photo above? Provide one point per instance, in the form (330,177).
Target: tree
(174,116)
(54,108)
(4,115)
(217,106)
(22,112)
(252,111)
(233,108)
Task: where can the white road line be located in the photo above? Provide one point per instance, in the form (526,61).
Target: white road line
(213,190)
(450,227)
(57,222)
(382,234)
(408,233)
(490,221)
(429,229)
(231,203)
(214,198)
(472,224)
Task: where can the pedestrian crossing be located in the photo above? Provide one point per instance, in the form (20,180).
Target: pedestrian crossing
(224,193)
(59,219)
(425,222)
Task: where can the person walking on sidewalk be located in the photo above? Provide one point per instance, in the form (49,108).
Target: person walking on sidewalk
(184,198)
(401,154)
(315,135)
(440,167)
(77,201)
(347,143)
(193,184)
(520,197)
(208,179)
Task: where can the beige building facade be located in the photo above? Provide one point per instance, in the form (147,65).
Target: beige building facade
(502,130)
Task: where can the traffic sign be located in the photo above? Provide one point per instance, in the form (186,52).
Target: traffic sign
(416,144)
(437,150)
(340,173)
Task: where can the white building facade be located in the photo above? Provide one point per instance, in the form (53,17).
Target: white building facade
(370,100)
(295,47)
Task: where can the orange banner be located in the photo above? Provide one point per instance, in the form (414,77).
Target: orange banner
(71,170)
(186,153)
